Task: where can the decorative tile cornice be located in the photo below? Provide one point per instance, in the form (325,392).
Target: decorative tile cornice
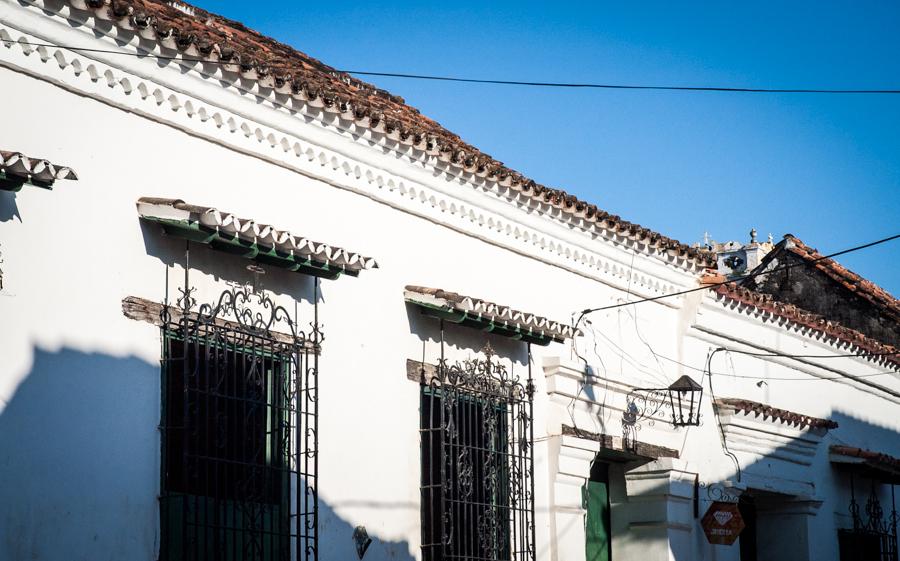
(883,463)
(488,315)
(422,186)
(773,414)
(277,70)
(772,309)
(258,241)
(17,169)
(756,430)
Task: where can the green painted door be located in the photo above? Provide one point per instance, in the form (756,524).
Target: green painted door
(598,529)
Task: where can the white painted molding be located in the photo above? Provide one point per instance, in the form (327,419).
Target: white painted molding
(756,438)
(717,325)
(318,144)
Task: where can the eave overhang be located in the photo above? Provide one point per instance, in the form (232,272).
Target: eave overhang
(765,412)
(17,169)
(881,466)
(487,316)
(189,37)
(247,238)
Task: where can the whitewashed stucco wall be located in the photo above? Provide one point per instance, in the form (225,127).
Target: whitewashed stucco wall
(79,383)
(72,254)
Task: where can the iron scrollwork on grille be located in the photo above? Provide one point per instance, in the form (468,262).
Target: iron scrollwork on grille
(640,405)
(716,492)
(240,429)
(874,535)
(478,469)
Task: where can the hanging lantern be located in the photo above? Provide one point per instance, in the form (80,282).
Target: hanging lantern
(684,397)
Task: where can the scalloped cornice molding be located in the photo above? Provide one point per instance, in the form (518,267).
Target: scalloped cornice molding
(426,188)
(771,318)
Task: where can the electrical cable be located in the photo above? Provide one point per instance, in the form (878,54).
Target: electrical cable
(708,286)
(616,349)
(581,85)
(647,370)
(712,394)
(783,379)
(491,81)
(622,86)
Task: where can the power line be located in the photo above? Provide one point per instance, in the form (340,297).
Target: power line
(751,353)
(587,85)
(788,379)
(491,81)
(644,368)
(574,85)
(734,279)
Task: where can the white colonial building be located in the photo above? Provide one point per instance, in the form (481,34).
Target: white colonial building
(255,309)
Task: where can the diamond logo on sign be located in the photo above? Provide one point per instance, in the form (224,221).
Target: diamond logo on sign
(722,517)
(722,523)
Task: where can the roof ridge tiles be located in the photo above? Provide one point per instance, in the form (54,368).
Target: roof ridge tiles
(201,34)
(849,280)
(767,303)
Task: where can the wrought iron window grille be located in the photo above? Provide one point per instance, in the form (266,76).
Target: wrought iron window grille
(874,534)
(477,462)
(239,428)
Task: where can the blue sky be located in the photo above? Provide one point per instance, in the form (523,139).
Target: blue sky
(824,168)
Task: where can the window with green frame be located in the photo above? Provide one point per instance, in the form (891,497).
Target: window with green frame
(465,477)
(226,485)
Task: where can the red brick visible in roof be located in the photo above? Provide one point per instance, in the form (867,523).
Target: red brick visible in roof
(768,412)
(799,316)
(846,278)
(276,66)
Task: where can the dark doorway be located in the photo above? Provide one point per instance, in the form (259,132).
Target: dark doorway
(747,508)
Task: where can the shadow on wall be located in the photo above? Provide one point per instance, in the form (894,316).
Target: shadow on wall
(794,511)
(8,207)
(171,251)
(336,539)
(79,459)
(427,329)
(861,433)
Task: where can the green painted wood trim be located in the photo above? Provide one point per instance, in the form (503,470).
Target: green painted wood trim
(234,245)
(14,183)
(484,324)
(597,528)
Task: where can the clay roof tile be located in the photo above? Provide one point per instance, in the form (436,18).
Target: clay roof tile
(183,26)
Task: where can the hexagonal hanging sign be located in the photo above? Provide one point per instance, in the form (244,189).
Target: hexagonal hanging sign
(722,523)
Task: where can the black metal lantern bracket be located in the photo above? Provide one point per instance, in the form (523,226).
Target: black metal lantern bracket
(682,397)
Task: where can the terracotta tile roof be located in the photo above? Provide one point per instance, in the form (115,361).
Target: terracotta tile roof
(766,303)
(267,244)
(846,278)
(197,33)
(17,168)
(768,412)
(878,461)
(504,317)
